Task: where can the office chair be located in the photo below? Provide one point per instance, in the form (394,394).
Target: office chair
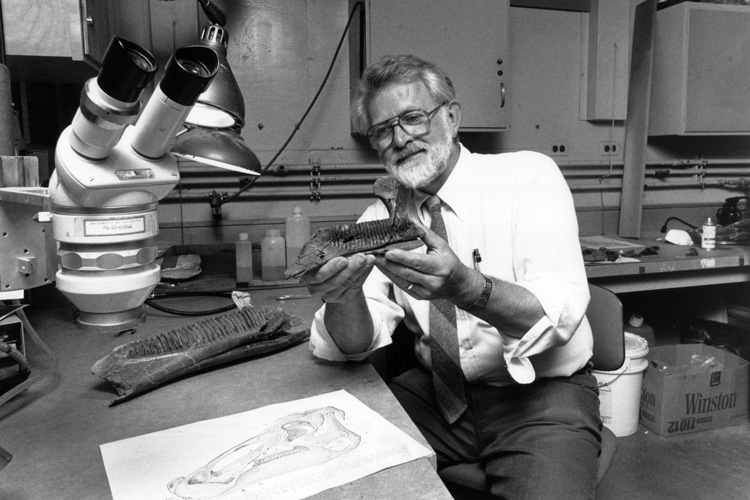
(605,316)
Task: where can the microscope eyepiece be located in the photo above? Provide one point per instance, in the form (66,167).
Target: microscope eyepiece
(127,69)
(111,101)
(189,73)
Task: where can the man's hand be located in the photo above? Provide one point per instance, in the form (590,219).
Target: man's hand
(438,274)
(339,283)
(340,279)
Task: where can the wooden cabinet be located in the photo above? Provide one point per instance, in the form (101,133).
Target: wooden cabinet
(467,40)
(608,46)
(701,71)
(49,40)
(158,26)
(82,30)
(42,28)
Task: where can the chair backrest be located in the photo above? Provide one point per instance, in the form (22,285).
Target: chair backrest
(605,317)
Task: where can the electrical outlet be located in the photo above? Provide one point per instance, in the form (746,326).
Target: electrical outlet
(610,148)
(559,148)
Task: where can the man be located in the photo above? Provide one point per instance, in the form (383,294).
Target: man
(510,385)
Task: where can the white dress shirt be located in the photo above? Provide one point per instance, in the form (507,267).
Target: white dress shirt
(517,211)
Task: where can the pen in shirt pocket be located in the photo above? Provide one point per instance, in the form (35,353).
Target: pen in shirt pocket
(477,258)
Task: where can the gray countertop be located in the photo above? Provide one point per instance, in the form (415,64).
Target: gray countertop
(54,428)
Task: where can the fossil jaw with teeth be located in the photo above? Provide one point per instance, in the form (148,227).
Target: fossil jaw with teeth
(376,236)
(143,364)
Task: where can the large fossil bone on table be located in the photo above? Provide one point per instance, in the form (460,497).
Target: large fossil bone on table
(144,364)
(376,236)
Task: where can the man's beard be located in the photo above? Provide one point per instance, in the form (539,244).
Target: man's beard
(419,171)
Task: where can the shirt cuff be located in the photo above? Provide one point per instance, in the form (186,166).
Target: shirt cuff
(323,346)
(517,351)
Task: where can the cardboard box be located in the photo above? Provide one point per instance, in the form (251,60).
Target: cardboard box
(679,403)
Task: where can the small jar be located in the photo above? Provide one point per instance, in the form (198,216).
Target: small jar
(708,234)
(243,249)
(273,256)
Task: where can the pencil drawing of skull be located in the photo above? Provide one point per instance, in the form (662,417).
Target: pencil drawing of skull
(294,442)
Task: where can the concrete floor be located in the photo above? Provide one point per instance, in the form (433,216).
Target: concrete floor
(706,465)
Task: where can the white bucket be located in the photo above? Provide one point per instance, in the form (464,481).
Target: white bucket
(620,390)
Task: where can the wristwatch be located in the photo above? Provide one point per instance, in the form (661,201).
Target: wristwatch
(481,301)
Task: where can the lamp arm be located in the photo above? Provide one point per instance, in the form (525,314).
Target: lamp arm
(213,13)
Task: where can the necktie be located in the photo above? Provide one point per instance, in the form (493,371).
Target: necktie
(447,377)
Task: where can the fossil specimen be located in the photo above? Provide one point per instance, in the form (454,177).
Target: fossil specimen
(141,365)
(347,239)
(365,237)
(392,194)
(294,442)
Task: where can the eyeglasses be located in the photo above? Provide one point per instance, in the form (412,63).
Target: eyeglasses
(416,123)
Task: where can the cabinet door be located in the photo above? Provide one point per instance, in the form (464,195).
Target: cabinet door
(42,28)
(718,71)
(701,71)
(468,40)
(97,30)
(158,26)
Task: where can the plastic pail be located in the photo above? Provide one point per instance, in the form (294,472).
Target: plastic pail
(620,390)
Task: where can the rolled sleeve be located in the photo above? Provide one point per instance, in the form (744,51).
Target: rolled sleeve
(517,351)
(552,272)
(323,346)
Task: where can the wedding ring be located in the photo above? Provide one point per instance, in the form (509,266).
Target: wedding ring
(410,285)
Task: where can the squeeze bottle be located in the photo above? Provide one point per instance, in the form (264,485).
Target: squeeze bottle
(272,256)
(637,326)
(297,234)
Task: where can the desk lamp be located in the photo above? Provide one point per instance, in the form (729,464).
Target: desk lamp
(211,129)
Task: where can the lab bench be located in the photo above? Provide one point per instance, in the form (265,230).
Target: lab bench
(673,266)
(54,428)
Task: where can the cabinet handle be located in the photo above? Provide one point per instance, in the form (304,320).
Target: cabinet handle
(502,94)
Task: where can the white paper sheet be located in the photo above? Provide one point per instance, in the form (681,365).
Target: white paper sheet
(284,451)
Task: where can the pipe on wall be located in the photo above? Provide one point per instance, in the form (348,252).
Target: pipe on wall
(343,180)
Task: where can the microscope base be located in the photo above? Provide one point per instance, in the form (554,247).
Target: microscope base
(116,322)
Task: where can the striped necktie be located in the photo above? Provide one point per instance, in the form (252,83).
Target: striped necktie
(447,377)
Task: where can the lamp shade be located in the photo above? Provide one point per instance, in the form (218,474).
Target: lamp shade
(212,127)
(220,148)
(221,105)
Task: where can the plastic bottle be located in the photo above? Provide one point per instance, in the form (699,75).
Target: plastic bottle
(273,256)
(243,250)
(637,326)
(297,234)
(708,236)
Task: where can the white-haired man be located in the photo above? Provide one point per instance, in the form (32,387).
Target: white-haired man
(496,297)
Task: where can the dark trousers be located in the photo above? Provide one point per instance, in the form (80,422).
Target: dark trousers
(538,441)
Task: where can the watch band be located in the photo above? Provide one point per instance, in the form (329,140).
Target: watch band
(481,301)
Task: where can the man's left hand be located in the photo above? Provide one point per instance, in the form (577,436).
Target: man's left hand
(436,274)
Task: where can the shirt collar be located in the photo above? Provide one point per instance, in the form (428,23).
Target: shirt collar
(453,192)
